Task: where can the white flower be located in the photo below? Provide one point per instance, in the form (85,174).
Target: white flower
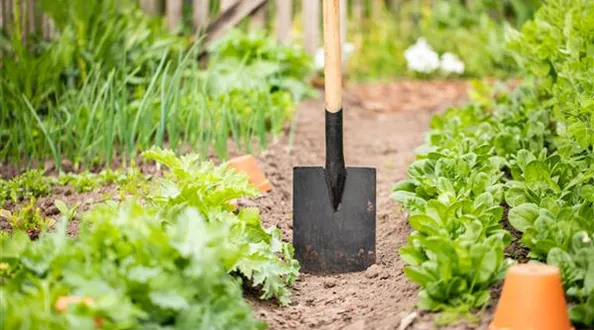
(421,57)
(319,58)
(586,239)
(450,63)
(347,50)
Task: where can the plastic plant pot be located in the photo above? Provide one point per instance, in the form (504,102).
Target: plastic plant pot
(249,165)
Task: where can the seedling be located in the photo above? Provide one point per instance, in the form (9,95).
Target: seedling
(67,213)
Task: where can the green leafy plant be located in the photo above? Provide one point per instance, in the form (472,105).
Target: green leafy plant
(176,258)
(26,218)
(475,31)
(133,271)
(563,72)
(453,195)
(29,184)
(265,260)
(67,212)
(530,149)
(34,184)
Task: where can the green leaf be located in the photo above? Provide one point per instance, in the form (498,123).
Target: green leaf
(420,169)
(581,133)
(486,262)
(409,200)
(405,185)
(523,216)
(13,247)
(524,158)
(444,186)
(480,183)
(61,206)
(424,224)
(516,195)
(482,299)
(418,275)
(168,300)
(411,256)
(535,172)
(589,279)
(142,274)
(588,193)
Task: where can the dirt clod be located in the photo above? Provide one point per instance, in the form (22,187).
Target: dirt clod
(373,271)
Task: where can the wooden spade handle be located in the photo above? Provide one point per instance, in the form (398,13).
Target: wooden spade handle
(332,55)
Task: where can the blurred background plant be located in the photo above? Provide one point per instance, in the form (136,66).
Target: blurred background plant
(474,31)
(115,81)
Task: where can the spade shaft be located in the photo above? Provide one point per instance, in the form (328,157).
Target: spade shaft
(335,169)
(334,207)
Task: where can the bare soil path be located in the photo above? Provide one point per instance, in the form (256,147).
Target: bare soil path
(382,129)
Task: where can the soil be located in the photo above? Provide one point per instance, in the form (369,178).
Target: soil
(383,126)
(515,250)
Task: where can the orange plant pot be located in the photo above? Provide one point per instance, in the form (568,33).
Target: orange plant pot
(64,301)
(247,164)
(532,299)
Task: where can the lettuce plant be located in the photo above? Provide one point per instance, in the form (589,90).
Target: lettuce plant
(173,259)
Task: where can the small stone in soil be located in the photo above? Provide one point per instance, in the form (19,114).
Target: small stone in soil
(373,271)
(408,320)
(329,284)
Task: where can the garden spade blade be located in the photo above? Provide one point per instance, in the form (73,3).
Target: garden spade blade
(330,235)
(334,207)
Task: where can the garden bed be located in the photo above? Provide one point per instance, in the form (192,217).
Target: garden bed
(377,298)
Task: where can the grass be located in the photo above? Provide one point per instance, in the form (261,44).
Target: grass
(110,116)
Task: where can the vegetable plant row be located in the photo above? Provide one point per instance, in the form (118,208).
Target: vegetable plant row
(174,258)
(115,82)
(523,158)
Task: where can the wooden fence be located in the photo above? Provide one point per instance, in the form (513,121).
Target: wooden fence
(213,17)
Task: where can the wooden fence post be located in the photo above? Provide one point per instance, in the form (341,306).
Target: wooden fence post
(311,25)
(258,19)
(201,11)
(45,26)
(32,16)
(228,19)
(376,7)
(283,20)
(9,14)
(150,7)
(357,10)
(225,4)
(174,13)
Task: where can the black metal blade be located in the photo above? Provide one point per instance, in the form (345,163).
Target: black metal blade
(328,240)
